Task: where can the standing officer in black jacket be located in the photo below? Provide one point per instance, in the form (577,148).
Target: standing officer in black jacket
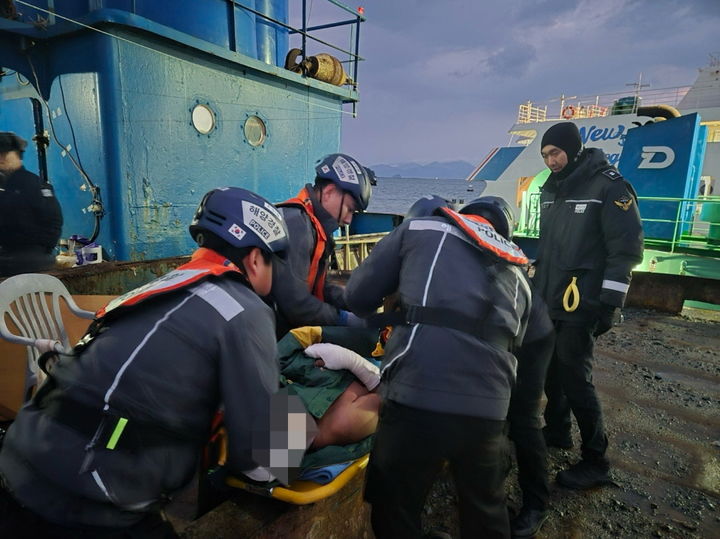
(590,239)
(30,215)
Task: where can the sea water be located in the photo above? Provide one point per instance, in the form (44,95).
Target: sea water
(396,195)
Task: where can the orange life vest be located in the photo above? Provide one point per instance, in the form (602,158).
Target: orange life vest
(203,264)
(482,234)
(317,271)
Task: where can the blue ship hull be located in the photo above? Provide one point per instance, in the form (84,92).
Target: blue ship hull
(120,97)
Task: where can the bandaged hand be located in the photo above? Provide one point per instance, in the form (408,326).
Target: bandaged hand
(336,357)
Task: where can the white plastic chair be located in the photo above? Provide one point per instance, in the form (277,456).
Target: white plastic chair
(32,303)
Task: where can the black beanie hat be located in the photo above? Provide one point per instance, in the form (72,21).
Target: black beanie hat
(565,136)
(10,142)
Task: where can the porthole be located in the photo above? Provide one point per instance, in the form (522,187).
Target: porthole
(255,131)
(203,119)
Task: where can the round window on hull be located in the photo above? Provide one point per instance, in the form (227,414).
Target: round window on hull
(203,119)
(255,131)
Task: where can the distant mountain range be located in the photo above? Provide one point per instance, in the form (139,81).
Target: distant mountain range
(445,170)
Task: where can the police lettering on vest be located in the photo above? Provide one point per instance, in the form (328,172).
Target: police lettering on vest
(482,234)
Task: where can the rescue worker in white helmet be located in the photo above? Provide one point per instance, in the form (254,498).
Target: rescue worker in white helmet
(302,295)
(117,428)
(448,367)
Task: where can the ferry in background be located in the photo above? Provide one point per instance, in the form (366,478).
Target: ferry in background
(666,142)
(604,121)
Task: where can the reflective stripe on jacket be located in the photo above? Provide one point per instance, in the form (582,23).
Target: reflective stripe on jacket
(203,264)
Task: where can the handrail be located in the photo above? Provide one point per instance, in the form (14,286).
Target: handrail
(679,238)
(600,105)
(304,31)
(346,8)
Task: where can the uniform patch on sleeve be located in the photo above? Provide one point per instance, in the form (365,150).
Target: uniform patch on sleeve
(612,174)
(47,193)
(624,202)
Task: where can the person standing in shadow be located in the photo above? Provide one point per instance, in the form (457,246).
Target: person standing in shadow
(30,216)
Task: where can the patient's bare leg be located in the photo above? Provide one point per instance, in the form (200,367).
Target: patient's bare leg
(352,417)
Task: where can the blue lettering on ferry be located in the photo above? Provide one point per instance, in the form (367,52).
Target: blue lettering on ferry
(594,133)
(612,158)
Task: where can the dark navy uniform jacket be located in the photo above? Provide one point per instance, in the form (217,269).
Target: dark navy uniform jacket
(30,215)
(433,264)
(589,229)
(295,302)
(172,363)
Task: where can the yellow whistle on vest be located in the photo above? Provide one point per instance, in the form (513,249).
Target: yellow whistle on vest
(571,290)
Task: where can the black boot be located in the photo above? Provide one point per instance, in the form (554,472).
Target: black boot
(585,474)
(528,522)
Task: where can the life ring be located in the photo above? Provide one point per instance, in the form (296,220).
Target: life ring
(568,112)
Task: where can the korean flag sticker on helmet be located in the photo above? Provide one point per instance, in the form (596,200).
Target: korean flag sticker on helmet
(236,231)
(345,171)
(263,222)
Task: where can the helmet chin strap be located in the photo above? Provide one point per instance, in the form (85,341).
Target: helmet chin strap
(342,203)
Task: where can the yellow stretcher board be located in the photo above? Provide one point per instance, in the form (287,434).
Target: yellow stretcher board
(301,492)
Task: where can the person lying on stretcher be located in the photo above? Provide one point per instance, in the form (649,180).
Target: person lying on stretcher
(315,366)
(326,368)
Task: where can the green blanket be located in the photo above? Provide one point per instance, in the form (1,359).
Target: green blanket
(318,388)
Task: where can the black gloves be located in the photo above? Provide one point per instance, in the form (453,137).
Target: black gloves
(605,319)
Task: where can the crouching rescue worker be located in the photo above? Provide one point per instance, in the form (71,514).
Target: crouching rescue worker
(117,428)
(303,298)
(448,369)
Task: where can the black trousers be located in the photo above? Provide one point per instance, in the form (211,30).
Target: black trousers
(410,448)
(569,387)
(16,522)
(525,418)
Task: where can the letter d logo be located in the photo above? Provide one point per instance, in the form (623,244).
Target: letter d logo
(648,153)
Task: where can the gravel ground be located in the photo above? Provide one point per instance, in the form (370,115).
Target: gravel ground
(658,376)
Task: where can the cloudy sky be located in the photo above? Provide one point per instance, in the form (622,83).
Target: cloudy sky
(443,79)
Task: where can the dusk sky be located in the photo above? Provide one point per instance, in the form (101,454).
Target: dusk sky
(443,79)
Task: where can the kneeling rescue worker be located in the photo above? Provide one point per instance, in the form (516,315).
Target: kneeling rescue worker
(303,298)
(117,428)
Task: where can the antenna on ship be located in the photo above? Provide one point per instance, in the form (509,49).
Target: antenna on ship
(638,86)
(563,97)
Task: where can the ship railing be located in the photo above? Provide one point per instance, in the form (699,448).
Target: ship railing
(305,31)
(677,224)
(600,105)
(695,223)
(353,54)
(351,250)
(529,113)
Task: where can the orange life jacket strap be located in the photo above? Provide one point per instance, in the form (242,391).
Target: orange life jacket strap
(482,234)
(315,277)
(203,264)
